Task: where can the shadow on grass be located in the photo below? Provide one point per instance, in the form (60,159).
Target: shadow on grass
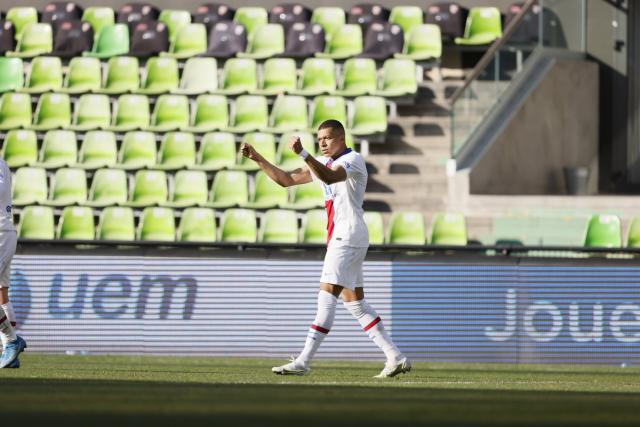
(124,403)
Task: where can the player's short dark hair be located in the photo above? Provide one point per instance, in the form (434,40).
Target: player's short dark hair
(333,124)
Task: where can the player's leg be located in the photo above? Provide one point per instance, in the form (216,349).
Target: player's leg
(12,344)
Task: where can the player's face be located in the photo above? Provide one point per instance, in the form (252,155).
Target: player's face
(331,143)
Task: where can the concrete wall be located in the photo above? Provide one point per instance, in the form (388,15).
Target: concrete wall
(556,127)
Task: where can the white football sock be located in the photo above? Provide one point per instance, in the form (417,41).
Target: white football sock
(10,313)
(7,333)
(320,327)
(372,325)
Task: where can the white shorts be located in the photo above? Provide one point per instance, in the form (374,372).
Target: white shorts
(8,241)
(343,266)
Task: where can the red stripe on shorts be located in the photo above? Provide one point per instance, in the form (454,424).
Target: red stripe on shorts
(319,329)
(372,324)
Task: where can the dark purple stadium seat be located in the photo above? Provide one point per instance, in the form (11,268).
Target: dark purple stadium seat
(149,39)
(71,38)
(450,17)
(527,31)
(210,14)
(382,41)
(132,13)
(61,11)
(288,14)
(7,37)
(366,14)
(304,40)
(226,39)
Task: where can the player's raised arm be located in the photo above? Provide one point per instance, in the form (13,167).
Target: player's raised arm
(283,178)
(324,173)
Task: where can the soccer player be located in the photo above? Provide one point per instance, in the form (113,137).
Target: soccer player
(343,175)
(12,345)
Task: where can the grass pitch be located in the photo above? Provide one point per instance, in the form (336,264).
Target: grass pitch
(106,391)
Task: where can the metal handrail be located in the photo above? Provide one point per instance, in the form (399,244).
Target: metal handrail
(488,56)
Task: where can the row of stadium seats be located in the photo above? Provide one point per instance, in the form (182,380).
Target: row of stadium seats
(138,150)
(604,230)
(209,112)
(235,225)
(358,76)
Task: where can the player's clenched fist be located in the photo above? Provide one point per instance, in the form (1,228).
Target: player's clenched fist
(248,151)
(295,144)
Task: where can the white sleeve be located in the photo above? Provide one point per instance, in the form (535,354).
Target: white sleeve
(352,165)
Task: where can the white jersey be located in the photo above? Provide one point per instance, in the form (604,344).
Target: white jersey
(6,219)
(343,201)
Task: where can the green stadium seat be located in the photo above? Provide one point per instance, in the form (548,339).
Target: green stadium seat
(279,226)
(161,75)
(189,189)
(15,111)
(239,76)
(99,149)
(314,227)
(423,43)
(20,148)
(326,108)
(149,188)
(177,151)
(131,112)
(53,111)
(359,77)
(305,196)
(287,159)
(29,186)
(36,222)
(633,235)
(217,151)
(266,41)
(171,112)
(251,114)
(11,74)
(288,113)
(36,39)
(406,228)
(59,149)
(84,75)
(122,75)
(484,25)
(197,225)
(45,74)
(211,113)
(112,40)
(157,224)
(68,187)
(239,225)
(348,140)
(264,143)
(76,223)
(267,193)
(229,188)
(108,187)
(251,18)
(92,111)
(375,227)
(329,18)
(448,229)
(603,231)
(398,78)
(345,42)
(21,18)
(318,77)
(138,150)
(369,116)
(175,20)
(98,18)
(407,17)
(190,41)
(279,76)
(200,75)
(116,223)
